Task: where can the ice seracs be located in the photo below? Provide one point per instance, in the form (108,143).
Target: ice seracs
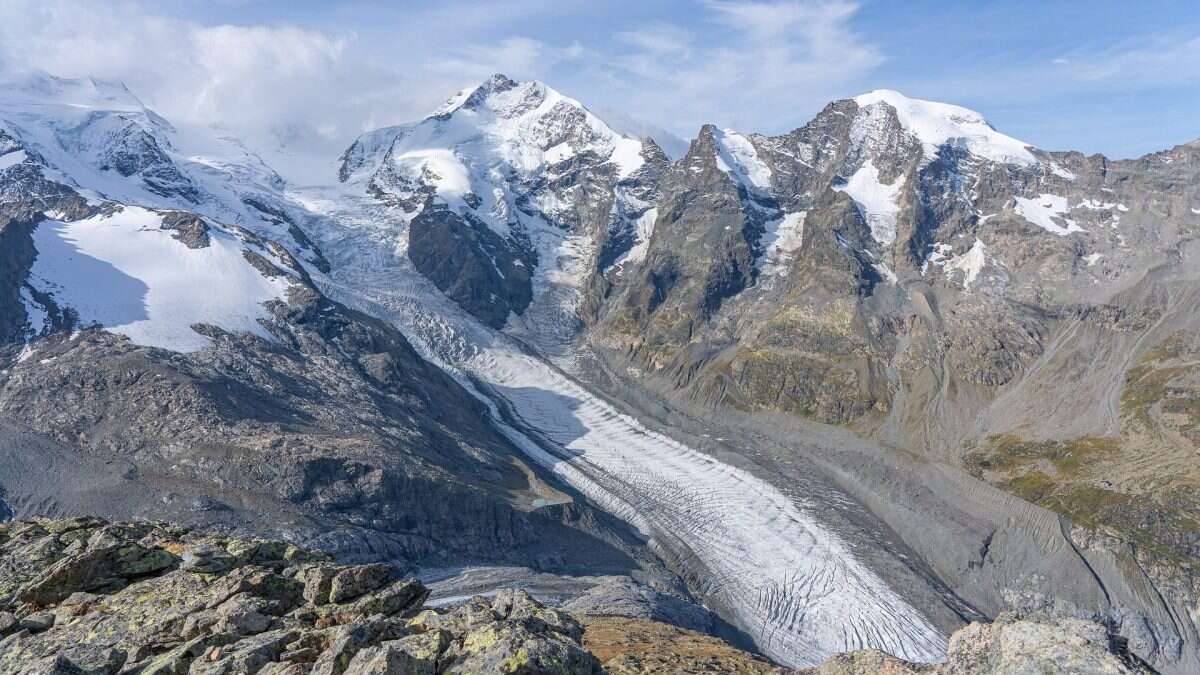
(940,124)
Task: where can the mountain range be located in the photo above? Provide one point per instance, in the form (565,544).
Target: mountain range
(847,387)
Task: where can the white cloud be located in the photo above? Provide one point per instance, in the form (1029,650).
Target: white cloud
(763,66)
(660,38)
(250,78)
(755,65)
(1158,61)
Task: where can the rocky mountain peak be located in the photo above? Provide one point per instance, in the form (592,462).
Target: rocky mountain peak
(940,124)
(500,97)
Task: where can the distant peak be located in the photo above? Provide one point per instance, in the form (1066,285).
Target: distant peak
(901,102)
(937,124)
(472,98)
(498,82)
(42,88)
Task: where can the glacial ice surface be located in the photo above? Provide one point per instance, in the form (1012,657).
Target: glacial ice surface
(759,556)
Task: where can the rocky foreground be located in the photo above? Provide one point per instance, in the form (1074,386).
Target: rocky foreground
(84,596)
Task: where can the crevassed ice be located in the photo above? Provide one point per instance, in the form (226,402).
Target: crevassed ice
(797,588)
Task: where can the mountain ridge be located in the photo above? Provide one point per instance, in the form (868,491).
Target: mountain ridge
(507,280)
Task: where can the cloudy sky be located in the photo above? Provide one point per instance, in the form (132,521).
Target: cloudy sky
(1099,76)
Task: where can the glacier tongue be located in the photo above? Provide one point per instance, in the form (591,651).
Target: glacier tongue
(761,558)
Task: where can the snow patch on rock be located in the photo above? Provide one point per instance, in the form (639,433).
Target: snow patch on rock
(1046,211)
(877,202)
(781,239)
(970,263)
(643,229)
(885,273)
(737,156)
(125,273)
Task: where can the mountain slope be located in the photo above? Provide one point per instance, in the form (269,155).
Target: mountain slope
(158,359)
(520,188)
(948,291)
(844,385)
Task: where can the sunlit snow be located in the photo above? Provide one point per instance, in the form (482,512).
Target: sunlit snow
(736,155)
(938,124)
(1046,211)
(876,201)
(124,273)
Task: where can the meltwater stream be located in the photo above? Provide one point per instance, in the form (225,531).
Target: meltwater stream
(757,556)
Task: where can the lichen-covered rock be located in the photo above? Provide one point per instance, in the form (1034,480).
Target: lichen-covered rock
(86,597)
(1012,645)
(357,580)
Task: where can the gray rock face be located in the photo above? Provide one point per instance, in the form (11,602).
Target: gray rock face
(951,300)
(189,227)
(251,617)
(621,596)
(1011,645)
(333,429)
(471,264)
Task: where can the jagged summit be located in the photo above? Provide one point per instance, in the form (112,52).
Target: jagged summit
(472,97)
(525,126)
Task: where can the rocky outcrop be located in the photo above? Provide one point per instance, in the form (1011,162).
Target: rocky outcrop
(84,595)
(88,596)
(483,273)
(1011,645)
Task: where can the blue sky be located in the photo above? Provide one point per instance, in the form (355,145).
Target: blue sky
(1113,77)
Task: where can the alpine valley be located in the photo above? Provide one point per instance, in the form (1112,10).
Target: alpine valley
(851,387)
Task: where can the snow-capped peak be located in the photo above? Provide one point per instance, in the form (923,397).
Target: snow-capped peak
(938,124)
(473,96)
(501,125)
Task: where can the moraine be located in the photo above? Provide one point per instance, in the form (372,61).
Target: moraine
(763,560)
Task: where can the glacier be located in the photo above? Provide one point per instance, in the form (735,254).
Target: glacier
(796,588)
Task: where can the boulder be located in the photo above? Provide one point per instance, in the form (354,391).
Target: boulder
(352,582)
